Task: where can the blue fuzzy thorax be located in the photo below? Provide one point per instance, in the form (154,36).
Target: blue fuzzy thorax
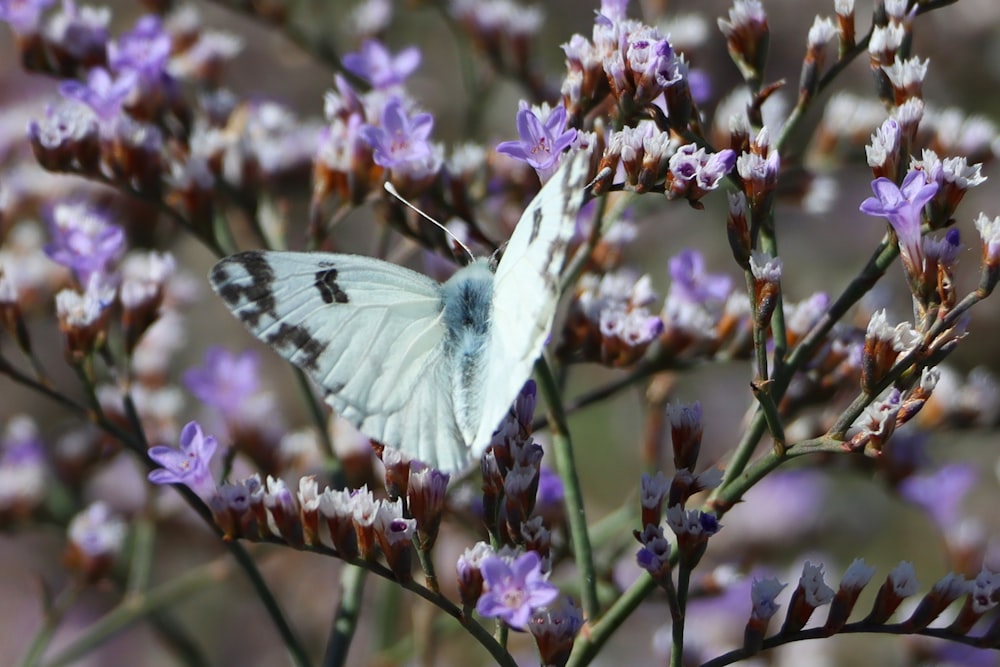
(467,300)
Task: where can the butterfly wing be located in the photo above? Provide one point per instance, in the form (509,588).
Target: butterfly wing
(526,290)
(367,331)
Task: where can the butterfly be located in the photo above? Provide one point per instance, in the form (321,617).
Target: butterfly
(425,367)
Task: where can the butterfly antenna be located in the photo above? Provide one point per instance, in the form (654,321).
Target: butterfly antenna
(392,190)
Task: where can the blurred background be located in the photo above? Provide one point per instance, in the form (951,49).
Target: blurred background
(832,514)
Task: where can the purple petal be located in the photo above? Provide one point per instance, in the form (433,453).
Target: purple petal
(515,149)
(495,570)
(526,566)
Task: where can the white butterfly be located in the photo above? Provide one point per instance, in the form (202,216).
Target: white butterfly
(425,367)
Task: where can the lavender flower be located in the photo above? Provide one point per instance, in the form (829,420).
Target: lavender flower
(400,139)
(376,65)
(83,239)
(940,493)
(514,590)
(82,32)
(102,93)
(225,380)
(902,206)
(694,172)
(24,479)
(543,138)
(189,464)
(97,532)
(24,16)
(763,594)
(692,283)
(989,230)
(144,50)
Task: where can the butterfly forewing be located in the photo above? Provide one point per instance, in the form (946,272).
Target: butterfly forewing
(368,332)
(526,289)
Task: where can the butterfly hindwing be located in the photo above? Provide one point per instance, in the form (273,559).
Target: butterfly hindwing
(368,332)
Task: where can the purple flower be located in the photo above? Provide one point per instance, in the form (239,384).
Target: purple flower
(224,380)
(700,85)
(83,239)
(902,206)
(83,33)
(97,532)
(714,167)
(941,492)
(400,139)
(542,139)
(551,493)
(144,50)
(524,404)
(23,16)
(376,65)
(514,591)
(102,93)
(691,283)
(189,464)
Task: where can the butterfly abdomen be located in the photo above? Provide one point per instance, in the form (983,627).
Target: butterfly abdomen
(468,305)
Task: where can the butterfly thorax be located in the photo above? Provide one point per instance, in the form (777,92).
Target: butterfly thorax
(467,300)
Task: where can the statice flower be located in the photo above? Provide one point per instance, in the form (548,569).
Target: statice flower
(694,173)
(96,537)
(610,318)
(204,59)
(400,139)
(84,239)
(696,302)
(902,207)
(941,492)
(189,465)
(24,16)
(83,316)
(66,138)
(103,92)
(23,471)
(371,17)
(144,50)
(543,138)
(80,31)
(989,230)
(225,381)
(555,627)
(376,65)
(514,590)
(692,283)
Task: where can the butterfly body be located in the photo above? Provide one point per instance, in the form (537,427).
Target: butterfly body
(467,312)
(429,368)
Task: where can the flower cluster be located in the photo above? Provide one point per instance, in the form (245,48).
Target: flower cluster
(609,318)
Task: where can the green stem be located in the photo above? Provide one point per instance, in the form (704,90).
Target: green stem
(53,615)
(136,607)
(427,565)
(759,332)
(566,465)
(677,626)
(141,554)
(181,644)
(345,621)
(769,244)
(861,285)
(298,653)
(587,646)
